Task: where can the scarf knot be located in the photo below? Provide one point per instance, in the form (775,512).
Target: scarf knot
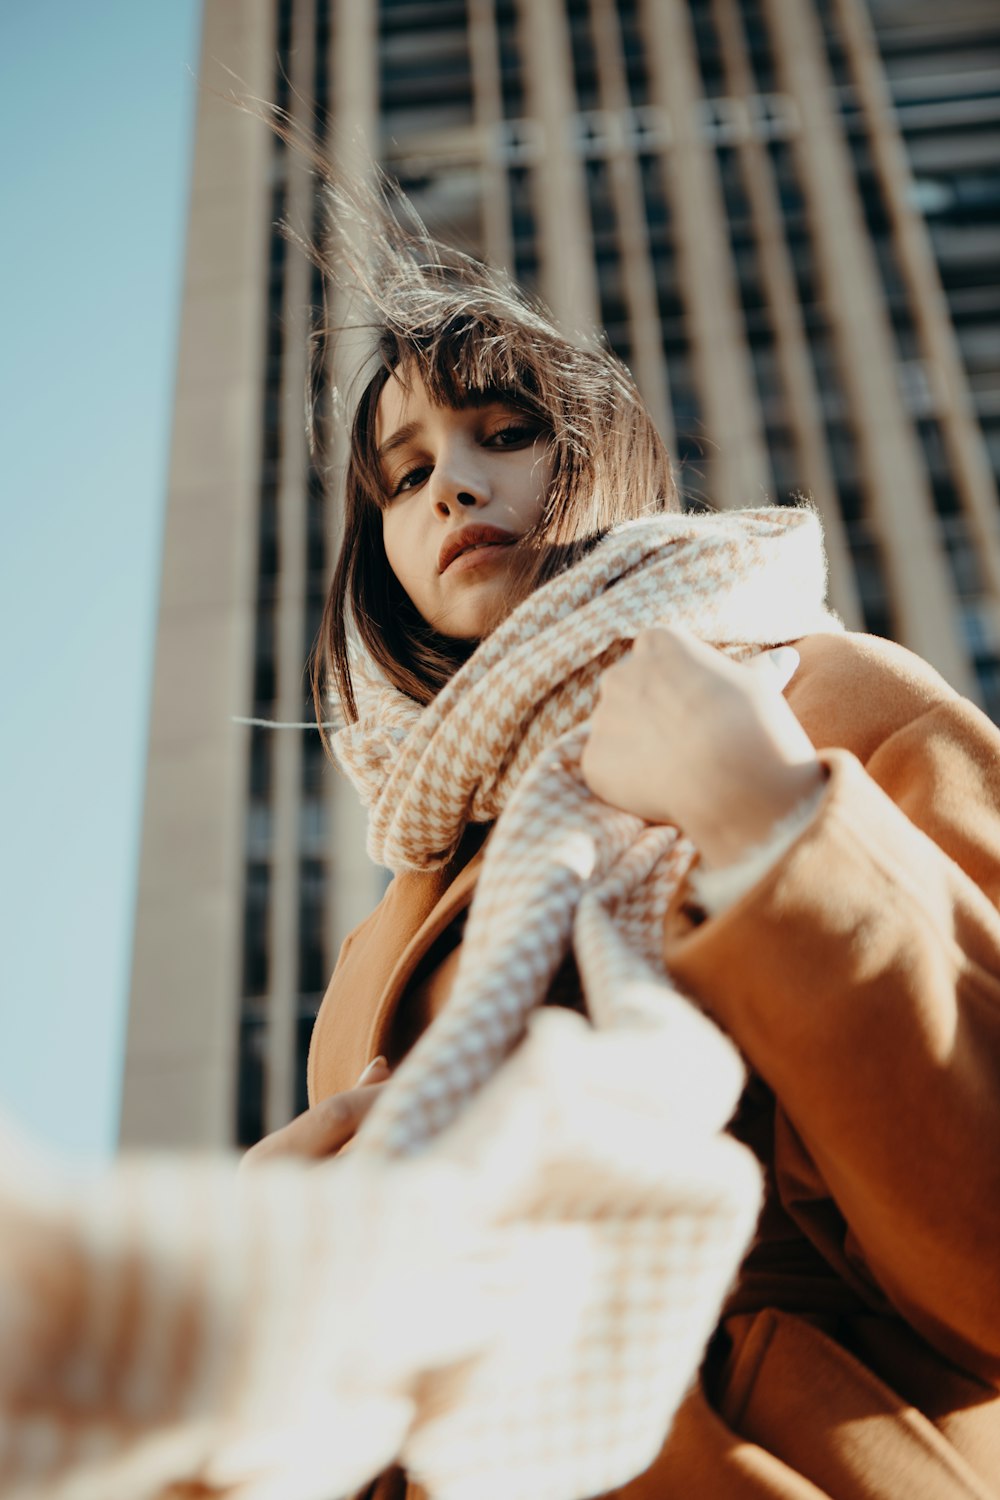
(742,581)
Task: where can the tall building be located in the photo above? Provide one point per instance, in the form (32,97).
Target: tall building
(785,214)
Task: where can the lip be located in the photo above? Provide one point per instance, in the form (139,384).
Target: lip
(457,543)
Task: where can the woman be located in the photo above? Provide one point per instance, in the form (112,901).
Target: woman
(838,921)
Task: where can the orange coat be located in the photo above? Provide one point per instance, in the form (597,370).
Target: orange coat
(859,1353)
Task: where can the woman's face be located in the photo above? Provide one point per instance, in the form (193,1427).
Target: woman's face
(461,487)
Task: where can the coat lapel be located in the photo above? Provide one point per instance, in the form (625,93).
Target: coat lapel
(375,965)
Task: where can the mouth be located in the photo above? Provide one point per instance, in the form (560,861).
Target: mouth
(471,539)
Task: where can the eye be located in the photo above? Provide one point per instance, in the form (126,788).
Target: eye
(515,434)
(411,479)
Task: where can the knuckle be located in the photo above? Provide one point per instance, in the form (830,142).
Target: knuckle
(337,1111)
(660,638)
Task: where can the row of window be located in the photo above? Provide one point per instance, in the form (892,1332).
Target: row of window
(313,836)
(312,974)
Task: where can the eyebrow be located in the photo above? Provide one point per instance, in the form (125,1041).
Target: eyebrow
(490,397)
(399,439)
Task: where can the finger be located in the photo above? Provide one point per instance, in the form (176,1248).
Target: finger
(339,1118)
(678,638)
(676,647)
(320,1131)
(376,1072)
(777,666)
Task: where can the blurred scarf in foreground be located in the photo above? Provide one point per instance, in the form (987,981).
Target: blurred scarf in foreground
(508,1285)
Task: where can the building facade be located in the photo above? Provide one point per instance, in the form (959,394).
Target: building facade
(784,214)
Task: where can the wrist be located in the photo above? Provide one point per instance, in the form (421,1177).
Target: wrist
(751,819)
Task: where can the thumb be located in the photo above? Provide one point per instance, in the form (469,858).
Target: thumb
(777,666)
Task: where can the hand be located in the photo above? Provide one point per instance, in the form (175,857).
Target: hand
(326,1128)
(682,734)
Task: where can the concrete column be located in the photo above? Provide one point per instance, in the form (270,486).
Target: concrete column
(895,479)
(484,57)
(968,456)
(354,70)
(647,361)
(179,1083)
(568,276)
(739,468)
(799,389)
(354,884)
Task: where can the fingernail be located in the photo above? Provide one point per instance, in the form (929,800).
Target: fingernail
(374,1066)
(784,659)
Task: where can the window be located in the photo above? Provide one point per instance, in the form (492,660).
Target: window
(312,937)
(256,914)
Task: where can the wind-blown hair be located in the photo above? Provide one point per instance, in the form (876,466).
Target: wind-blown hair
(469,333)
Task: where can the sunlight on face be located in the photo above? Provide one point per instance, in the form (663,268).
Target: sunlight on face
(462,486)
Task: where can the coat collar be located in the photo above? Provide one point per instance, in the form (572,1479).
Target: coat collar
(378,960)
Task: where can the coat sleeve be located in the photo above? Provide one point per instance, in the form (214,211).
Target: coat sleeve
(861,978)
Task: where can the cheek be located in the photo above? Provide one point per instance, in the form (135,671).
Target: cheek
(400,550)
(392,542)
(539,482)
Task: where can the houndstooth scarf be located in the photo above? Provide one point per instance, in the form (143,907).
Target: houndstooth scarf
(503,741)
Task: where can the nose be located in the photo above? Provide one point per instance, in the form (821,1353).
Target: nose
(456,484)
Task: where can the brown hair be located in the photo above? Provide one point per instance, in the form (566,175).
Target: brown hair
(468,333)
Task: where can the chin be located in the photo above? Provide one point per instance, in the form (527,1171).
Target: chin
(476,618)
(471,631)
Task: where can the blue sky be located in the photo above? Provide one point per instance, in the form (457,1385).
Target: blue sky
(96,128)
